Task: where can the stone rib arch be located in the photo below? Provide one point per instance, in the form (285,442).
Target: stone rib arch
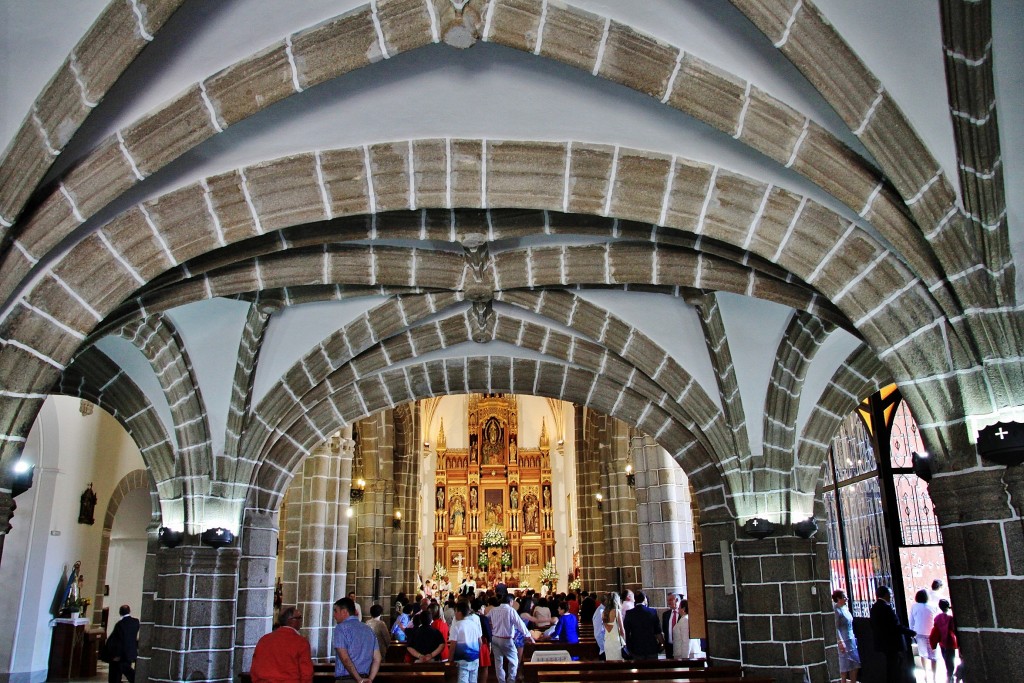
(246,363)
(275,416)
(158,340)
(800,342)
(94,377)
(864,191)
(80,83)
(725,374)
(905,326)
(859,376)
(857,96)
(472,374)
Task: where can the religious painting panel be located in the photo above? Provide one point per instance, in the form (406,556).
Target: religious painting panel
(494,508)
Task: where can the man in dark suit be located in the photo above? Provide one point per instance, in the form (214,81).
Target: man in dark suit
(123,647)
(669,619)
(643,630)
(890,637)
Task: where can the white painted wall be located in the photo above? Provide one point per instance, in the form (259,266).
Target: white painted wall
(127,557)
(70,451)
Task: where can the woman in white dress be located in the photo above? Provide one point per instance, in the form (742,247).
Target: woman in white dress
(613,627)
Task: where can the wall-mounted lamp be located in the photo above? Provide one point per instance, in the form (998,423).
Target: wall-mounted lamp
(561,442)
(349,512)
(169,538)
(630,475)
(806,528)
(396,523)
(758,528)
(357,491)
(600,501)
(426,445)
(217,537)
(22,479)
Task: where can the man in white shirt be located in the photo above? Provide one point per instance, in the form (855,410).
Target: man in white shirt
(504,623)
(464,641)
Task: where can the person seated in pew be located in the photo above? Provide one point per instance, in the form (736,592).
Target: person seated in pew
(403,624)
(425,642)
(567,630)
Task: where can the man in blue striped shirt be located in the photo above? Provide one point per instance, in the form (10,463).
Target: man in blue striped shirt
(504,623)
(358,653)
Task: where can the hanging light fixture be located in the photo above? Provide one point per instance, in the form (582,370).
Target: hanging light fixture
(600,500)
(357,491)
(630,474)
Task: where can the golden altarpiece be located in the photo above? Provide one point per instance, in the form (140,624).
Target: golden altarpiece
(493,483)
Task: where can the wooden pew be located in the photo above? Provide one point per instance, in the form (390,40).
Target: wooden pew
(683,667)
(723,674)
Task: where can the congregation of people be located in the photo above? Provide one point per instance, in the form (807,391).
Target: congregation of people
(473,630)
(931,631)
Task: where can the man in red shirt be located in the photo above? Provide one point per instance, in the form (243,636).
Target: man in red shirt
(283,655)
(441,626)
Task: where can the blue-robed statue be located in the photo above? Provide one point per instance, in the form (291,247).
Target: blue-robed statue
(70,596)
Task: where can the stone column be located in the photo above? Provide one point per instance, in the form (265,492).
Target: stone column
(323,538)
(665,520)
(980,514)
(593,560)
(291,519)
(147,610)
(372,525)
(192,636)
(405,542)
(256,573)
(620,518)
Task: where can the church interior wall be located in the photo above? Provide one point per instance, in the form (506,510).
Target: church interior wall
(72,451)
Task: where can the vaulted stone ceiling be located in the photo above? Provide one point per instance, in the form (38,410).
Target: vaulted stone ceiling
(239,226)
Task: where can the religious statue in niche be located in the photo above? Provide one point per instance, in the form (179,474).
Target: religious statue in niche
(513,498)
(492,448)
(531,558)
(88,506)
(472,498)
(531,514)
(440,498)
(458,516)
(547,496)
(513,451)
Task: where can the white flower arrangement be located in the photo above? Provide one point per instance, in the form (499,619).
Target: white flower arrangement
(440,571)
(494,538)
(549,574)
(575,585)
